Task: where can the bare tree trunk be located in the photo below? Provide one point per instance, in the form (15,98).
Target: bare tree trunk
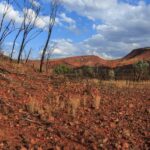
(47,61)
(7,30)
(6,8)
(44,51)
(50,52)
(54,7)
(28,26)
(28,55)
(14,43)
(47,64)
(21,49)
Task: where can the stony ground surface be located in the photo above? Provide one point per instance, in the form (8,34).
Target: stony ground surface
(121,122)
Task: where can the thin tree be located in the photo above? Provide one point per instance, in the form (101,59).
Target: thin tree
(6,27)
(49,54)
(52,17)
(14,42)
(7,30)
(29,24)
(29,53)
(5,12)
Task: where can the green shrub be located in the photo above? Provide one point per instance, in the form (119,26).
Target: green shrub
(62,69)
(88,71)
(141,70)
(111,74)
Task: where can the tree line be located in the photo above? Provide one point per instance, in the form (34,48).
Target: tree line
(136,72)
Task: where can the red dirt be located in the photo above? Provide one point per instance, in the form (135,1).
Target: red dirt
(121,122)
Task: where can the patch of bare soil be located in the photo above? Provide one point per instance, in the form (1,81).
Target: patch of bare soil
(42,112)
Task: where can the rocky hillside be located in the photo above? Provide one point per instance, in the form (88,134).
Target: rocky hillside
(91,60)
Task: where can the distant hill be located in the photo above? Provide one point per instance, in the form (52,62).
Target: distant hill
(141,53)
(91,60)
(78,61)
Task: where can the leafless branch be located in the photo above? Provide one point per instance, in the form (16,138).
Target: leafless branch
(52,16)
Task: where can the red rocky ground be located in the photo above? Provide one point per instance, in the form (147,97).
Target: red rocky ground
(121,122)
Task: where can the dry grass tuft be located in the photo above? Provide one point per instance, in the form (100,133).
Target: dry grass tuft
(127,84)
(96,97)
(73,104)
(32,105)
(97,101)
(45,111)
(84,100)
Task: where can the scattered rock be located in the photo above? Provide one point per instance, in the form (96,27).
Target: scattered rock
(23,148)
(112,125)
(126,132)
(125,146)
(131,105)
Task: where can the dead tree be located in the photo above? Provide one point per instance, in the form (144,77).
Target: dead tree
(5,12)
(14,42)
(6,27)
(29,24)
(52,17)
(28,55)
(49,54)
(7,30)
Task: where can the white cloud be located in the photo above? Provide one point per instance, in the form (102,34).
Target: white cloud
(67,19)
(89,8)
(17,16)
(58,51)
(42,21)
(95,45)
(35,3)
(71,23)
(12,14)
(123,26)
(120,27)
(64,48)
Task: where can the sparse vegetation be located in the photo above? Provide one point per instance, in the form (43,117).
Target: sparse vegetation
(111,74)
(88,71)
(141,70)
(62,69)
(75,103)
(55,109)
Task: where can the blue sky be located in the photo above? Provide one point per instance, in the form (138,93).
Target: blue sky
(109,28)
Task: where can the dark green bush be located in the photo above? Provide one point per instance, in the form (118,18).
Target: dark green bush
(62,69)
(88,71)
(141,70)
